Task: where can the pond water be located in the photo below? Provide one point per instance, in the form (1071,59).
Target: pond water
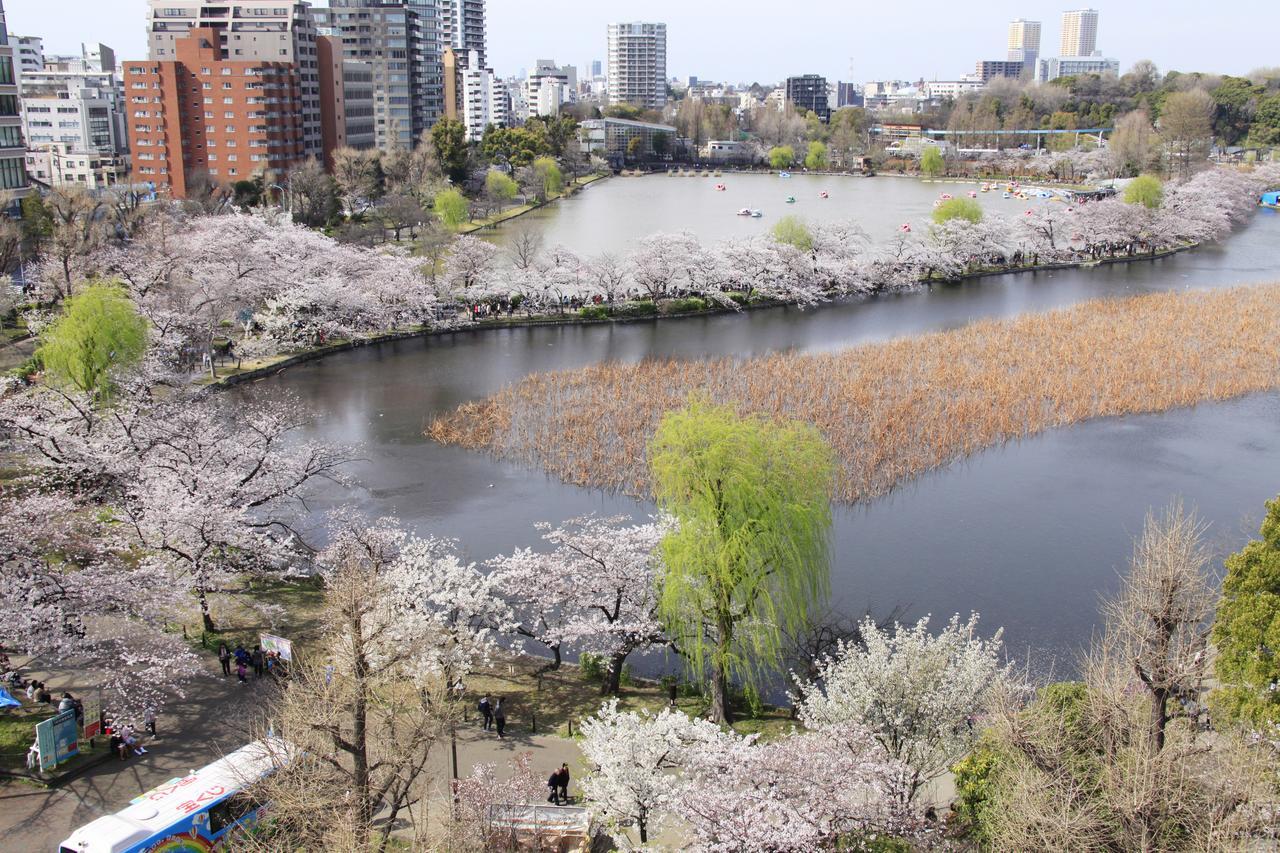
(1028,534)
(608,215)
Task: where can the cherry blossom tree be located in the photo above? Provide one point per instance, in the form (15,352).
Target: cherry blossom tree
(633,756)
(597,589)
(918,694)
(802,792)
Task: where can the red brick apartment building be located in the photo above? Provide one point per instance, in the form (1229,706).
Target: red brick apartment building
(200,113)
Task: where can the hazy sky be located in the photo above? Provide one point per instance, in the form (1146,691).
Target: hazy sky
(749,40)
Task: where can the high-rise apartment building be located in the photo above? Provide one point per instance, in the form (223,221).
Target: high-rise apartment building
(1024,44)
(265,31)
(484,99)
(29,52)
(1079,33)
(462,27)
(401,42)
(13,172)
(199,113)
(549,87)
(809,92)
(638,64)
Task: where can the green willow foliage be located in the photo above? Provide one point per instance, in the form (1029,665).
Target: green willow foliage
(958,208)
(1146,190)
(99,331)
(1246,632)
(749,556)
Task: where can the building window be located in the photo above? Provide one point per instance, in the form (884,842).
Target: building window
(6,69)
(12,174)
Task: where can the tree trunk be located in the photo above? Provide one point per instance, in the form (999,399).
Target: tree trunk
(721,712)
(612,681)
(1159,717)
(205,616)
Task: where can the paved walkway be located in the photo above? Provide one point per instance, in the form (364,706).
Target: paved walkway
(216,717)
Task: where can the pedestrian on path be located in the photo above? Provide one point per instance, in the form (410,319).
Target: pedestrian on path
(241,669)
(224,657)
(486,712)
(553,784)
(149,719)
(500,717)
(564,783)
(257,659)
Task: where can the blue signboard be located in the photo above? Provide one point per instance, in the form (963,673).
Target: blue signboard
(58,739)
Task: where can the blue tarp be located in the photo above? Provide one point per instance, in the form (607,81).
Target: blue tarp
(7,700)
(1271,198)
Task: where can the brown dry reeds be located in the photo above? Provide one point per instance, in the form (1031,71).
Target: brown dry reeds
(897,409)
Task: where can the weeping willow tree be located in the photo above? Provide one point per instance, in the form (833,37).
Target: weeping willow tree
(100,331)
(748,558)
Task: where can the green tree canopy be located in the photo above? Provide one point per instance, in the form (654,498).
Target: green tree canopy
(1246,632)
(512,147)
(99,332)
(782,156)
(548,171)
(1146,190)
(792,231)
(501,186)
(816,158)
(449,138)
(453,208)
(931,162)
(748,559)
(958,208)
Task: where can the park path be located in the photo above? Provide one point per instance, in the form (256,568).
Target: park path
(216,717)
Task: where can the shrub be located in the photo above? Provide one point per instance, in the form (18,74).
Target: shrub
(591,666)
(958,208)
(689,303)
(643,308)
(740,298)
(975,789)
(594,312)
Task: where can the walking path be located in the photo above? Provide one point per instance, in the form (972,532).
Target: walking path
(216,717)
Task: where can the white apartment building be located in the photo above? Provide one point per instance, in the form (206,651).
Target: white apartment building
(83,112)
(56,165)
(484,98)
(1079,33)
(549,87)
(942,89)
(1069,66)
(28,52)
(264,30)
(638,64)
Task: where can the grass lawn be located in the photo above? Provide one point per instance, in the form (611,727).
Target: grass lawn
(18,731)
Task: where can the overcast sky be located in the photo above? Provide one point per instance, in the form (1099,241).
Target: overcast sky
(748,40)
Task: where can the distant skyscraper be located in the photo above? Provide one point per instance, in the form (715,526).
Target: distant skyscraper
(809,92)
(1024,44)
(638,64)
(1079,33)
(597,68)
(13,171)
(462,27)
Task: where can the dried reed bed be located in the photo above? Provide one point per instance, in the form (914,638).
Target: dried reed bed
(897,409)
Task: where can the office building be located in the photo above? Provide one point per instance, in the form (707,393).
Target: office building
(1024,44)
(597,68)
(809,93)
(1079,33)
(1072,66)
(13,172)
(989,69)
(201,113)
(611,138)
(400,42)
(638,64)
(248,31)
(848,95)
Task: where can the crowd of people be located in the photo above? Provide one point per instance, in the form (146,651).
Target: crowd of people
(243,661)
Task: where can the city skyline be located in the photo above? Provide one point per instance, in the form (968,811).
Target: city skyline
(881,43)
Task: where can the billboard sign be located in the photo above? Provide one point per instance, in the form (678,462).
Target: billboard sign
(282,647)
(58,738)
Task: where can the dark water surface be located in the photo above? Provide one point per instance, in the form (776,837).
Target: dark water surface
(1028,534)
